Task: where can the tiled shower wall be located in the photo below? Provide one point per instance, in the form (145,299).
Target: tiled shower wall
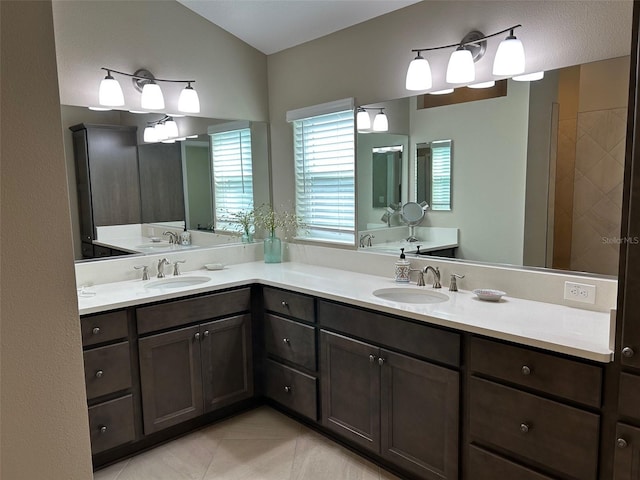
(597,189)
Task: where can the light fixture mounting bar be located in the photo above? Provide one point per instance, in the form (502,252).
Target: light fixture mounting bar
(462,44)
(140,77)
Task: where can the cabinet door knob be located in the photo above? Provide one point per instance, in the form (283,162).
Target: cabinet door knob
(287,389)
(372,358)
(99,374)
(96,330)
(285,304)
(524,428)
(526,370)
(380,361)
(205,333)
(628,352)
(197,336)
(621,443)
(103,429)
(286,341)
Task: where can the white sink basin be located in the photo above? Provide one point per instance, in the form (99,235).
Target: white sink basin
(176,282)
(153,245)
(410,295)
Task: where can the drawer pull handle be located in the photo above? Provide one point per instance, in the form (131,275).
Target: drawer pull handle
(287,389)
(285,304)
(524,428)
(205,333)
(99,374)
(372,358)
(197,336)
(621,443)
(96,330)
(628,352)
(526,370)
(286,341)
(380,361)
(103,429)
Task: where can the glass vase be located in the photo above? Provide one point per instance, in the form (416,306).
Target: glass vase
(272,249)
(247,238)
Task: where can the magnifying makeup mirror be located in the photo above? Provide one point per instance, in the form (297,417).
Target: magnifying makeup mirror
(412,214)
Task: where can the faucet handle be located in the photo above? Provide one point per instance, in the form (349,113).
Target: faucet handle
(176,269)
(145,271)
(453,285)
(420,281)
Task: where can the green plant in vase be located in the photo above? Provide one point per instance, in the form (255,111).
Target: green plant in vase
(270,221)
(240,221)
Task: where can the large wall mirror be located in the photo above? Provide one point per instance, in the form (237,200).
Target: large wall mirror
(538,173)
(177,183)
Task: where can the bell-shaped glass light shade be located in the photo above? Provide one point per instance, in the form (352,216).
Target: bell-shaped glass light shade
(419,74)
(161,132)
(488,84)
(150,135)
(110,93)
(152,98)
(509,57)
(380,123)
(461,68)
(171,129)
(188,102)
(529,77)
(446,91)
(363,120)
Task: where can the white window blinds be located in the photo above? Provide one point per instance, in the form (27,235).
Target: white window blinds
(441,175)
(324,151)
(232,176)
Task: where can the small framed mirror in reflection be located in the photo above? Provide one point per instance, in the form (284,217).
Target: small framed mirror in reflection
(387,175)
(433,174)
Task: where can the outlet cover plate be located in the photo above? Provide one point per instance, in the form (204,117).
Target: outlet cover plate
(580,292)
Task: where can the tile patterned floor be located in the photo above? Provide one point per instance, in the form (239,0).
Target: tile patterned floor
(258,445)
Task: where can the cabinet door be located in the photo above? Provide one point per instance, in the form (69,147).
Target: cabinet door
(627,456)
(226,361)
(419,416)
(350,385)
(171,378)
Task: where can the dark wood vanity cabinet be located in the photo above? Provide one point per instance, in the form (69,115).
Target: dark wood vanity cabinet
(536,411)
(107,177)
(403,408)
(188,371)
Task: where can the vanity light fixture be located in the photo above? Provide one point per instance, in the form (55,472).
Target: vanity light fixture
(489,84)
(110,92)
(160,130)
(509,60)
(380,122)
(442,92)
(529,77)
(363,120)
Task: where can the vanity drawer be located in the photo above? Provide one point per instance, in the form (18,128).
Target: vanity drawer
(289,303)
(293,389)
(487,466)
(565,378)
(111,424)
(107,369)
(548,433)
(418,339)
(291,341)
(104,327)
(629,396)
(183,312)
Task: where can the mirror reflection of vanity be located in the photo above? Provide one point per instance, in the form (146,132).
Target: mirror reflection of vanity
(174,182)
(537,174)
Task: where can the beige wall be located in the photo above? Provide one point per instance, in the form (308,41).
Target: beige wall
(169,40)
(369,61)
(43,409)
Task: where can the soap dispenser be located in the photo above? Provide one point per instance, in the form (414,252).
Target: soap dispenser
(185,237)
(402,268)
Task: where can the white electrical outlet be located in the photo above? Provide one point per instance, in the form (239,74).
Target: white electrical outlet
(580,292)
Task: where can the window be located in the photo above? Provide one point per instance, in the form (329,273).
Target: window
(324,152)
(232,176)
(441,175)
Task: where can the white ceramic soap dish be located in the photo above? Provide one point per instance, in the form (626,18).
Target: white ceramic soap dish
(214,266)
(488,294)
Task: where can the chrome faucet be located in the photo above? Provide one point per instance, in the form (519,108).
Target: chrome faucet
(436,275)
(173,238)
(367,237)
(145,271)
(420,281)
(161,263)
(453,285)
(176,269)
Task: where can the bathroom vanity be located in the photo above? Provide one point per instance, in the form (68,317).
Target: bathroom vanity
(457,389)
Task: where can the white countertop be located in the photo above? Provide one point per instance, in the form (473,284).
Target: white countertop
(142,245)
(581,333)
